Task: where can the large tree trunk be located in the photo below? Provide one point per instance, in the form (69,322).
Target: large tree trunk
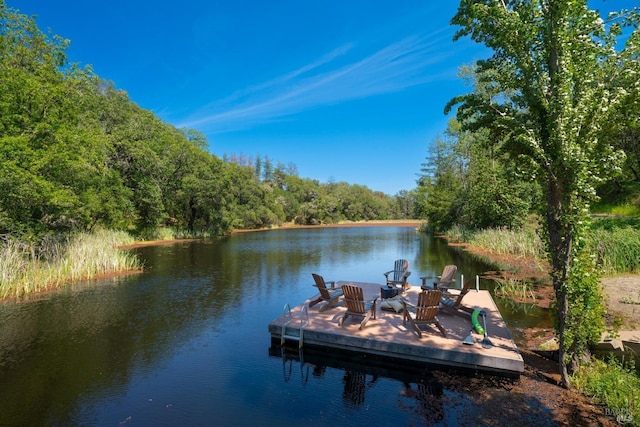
(560,242)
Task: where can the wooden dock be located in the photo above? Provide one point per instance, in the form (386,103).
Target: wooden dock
(387,335)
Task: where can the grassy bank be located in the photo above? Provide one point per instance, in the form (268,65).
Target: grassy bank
(29,268)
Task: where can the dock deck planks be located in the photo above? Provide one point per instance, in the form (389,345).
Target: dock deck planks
(387,336)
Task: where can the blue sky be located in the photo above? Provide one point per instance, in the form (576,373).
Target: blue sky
(346,90)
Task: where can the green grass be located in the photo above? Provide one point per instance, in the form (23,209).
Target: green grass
(458,234)
(617,244)
(157,233)
(625,209)
(524,242)
(424,227)
(27,269)
(622,202)
(613,385)
(170,233)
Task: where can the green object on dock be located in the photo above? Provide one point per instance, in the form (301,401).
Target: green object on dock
(474,321)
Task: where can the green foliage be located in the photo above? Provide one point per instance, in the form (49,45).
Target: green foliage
(77,154)
(159,233)
(495,199)
(460,234)
(523,242)
(614,385)
(517,290)
(617,245)
(440,186)
(627,207)
(465,183)
(585,314)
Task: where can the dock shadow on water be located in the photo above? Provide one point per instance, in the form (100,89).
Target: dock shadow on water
(412,393)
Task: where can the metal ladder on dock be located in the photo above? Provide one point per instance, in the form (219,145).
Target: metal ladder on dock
(304,321)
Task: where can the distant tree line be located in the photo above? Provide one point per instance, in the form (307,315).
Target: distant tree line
(76,153)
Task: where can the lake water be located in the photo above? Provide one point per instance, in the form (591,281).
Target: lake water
(186,341)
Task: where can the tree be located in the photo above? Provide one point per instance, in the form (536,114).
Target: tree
(555,73)
(441,185)
(405,204)
(267,169)
(258,167)
(624,132)
(465,182)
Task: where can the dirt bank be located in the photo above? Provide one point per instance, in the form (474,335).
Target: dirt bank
(622,294)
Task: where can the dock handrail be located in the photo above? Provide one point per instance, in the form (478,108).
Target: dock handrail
(304,321)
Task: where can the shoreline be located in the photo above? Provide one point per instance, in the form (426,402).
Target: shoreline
(541,378)
(142,243)
(390,223)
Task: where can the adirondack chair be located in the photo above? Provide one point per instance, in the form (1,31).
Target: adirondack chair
(444,281)
(357,306)
(425,312)
(400,274)
(330,295)
(453,302)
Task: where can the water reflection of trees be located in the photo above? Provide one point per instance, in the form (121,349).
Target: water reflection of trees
(427,398)
(424,397)
(355,385)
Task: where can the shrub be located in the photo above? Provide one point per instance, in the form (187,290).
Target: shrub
(613,385)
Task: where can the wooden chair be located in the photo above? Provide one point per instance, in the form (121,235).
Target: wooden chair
(424,313)
(357,306)
(453,302)
(330,295)
(400,274)
(444,281)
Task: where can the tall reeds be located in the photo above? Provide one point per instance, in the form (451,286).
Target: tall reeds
(27,268)
(524,242)
(618,249)
(616,243)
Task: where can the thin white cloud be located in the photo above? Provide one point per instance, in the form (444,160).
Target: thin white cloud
(329,80)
